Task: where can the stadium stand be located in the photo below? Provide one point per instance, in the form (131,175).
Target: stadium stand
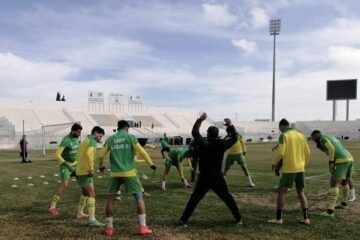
(340,129)
(16,117)
(7,133)
(256,130)
(79,116)
(49,117)
(106,120)
(47,122)
(147,121)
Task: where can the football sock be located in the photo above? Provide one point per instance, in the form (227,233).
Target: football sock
(91,208)
(142,219)
(82,203)
(333,196)
(109,222)
(279,214)
(306,213)
(54,201)
(345,193)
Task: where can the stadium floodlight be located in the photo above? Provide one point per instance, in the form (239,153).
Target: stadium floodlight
(275,25)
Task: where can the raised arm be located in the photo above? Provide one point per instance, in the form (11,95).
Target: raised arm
(196,129)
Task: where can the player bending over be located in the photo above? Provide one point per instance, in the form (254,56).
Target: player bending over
(122,147)
(341,168)
(85,175)
(293,153)
(66,157)
(165,145)
(175,159)
(237,154)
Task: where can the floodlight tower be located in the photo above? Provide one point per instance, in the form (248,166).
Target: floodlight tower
(275,25)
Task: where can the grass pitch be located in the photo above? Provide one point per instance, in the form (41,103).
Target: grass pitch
(23,209)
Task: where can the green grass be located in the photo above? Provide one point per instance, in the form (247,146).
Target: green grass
(23,210)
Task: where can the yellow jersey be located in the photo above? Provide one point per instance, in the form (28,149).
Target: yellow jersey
(293,150)
(239,147)
(85,156)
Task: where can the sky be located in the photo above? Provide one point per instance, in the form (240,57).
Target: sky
(215,56)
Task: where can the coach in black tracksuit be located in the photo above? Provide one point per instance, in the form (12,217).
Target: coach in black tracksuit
(211,153)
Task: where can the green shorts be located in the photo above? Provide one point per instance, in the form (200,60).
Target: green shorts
(85,180)
(170,163)
(343,170)
(65,173)
(239,158)
(132,184)
(287,180)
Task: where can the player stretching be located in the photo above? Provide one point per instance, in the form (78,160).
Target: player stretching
(122,147)
(237,154)
(85,173)
(66,157)
(341,168)
(294,153)
(165,145)
(175,158)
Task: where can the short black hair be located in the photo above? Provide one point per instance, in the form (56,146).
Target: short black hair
(76,127)
(284,122)
(123,124)
(98,130)
(143,141)
(315,132)
(213,132)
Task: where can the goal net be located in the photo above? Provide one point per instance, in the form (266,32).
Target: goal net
(48,136)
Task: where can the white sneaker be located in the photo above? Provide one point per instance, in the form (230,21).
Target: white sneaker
(352,199)
(251,185)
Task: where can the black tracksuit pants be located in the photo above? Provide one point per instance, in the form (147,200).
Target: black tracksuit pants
(194,164)
(215,182)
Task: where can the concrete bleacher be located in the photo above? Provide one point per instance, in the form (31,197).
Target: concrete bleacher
(147,121)
(84,118)
(7,133)
(106,120)
(50,117)
(6,128)
(16,117)
(256,130)
(336,128)
(38,116)
(166,125)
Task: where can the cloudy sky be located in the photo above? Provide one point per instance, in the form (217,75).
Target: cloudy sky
(206,54)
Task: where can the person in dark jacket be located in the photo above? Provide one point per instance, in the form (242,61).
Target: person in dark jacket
(23,150)
(211,154)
